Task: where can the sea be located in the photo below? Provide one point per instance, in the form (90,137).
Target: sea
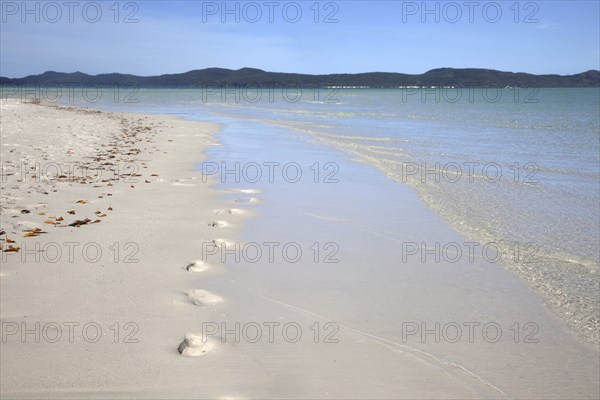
(516,171)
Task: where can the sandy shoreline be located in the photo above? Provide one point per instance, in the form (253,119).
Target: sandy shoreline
(124,275)
(127,277)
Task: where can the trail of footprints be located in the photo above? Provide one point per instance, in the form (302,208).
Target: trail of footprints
(196,345)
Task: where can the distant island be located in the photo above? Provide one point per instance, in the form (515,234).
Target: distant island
(440,77)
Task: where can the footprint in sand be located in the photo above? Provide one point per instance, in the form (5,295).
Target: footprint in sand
(250,191)
(223,242)
(200,297)
(231,211)
(247,191)
(248,200)
(218,224)
(198,266)
(194,346)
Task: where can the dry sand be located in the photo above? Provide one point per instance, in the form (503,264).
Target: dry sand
(127,268)
(138,278)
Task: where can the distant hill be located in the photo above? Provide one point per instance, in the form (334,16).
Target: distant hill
(463,77)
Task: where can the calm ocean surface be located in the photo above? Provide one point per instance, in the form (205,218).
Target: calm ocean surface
(516,168)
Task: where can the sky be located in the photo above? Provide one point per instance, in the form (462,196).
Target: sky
(160,37)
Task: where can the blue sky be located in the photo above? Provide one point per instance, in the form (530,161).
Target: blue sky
(345,36)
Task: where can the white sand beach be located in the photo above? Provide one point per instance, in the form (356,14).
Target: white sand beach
(105,293)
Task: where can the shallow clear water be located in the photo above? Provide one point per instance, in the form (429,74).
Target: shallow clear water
(525,172)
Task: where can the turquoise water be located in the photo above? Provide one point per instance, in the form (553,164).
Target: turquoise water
(519,168)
